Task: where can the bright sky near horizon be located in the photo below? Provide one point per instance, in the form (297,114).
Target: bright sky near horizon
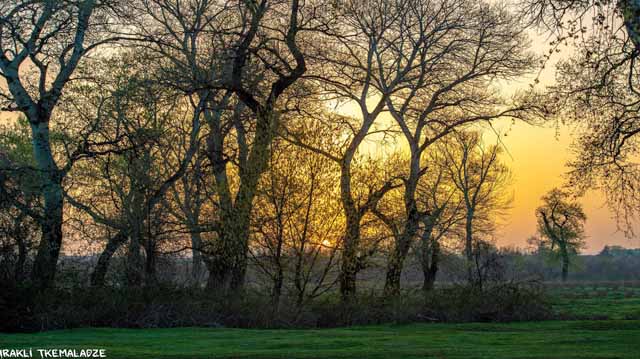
(538,156)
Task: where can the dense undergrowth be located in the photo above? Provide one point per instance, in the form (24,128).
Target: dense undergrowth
(22,309)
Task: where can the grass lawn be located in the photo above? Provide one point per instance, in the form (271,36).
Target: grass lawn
(552,339)
(597,302)
(611,338)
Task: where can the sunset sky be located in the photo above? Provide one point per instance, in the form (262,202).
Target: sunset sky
(537,156)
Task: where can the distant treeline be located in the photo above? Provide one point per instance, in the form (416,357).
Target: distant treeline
(613,263)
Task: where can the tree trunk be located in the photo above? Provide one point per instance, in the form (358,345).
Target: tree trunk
(227,262)
(20,234)
(398,256)
(219,279)
(298,276)
(394,272)
(430,256)
(239,270)
(100,271)
(349,267)
(431,270)
(134,260)
(279,276)
(197,266)
(277,288)
(468,248)
(150,264)
(44,266)
(565,263)
(402,242)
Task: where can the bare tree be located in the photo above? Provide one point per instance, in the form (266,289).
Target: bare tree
(357,55)
(419,60)
(480,177)
(561,226)
(443,213)
(568,18)
(461,48)
(191,202)
(295,222)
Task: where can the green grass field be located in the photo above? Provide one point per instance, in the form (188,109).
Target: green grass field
(554,339)
(599,301)
(615,337)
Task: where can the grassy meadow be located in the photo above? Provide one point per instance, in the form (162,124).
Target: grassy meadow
(614,334)
(552,339)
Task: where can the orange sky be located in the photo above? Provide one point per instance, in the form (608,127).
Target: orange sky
(538,155)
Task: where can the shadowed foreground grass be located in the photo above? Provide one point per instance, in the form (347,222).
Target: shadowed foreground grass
(553,339)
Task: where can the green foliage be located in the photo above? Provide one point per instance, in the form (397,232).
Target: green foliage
(17,161)
(15,142)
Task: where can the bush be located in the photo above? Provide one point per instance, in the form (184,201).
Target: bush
(172,307)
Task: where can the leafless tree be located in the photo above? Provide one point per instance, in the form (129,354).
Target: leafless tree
(442,215)
(191,202)
(349,67)
(295,244)
(460,48)
(480,177)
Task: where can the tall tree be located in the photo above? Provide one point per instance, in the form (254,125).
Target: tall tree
(360,64)
(145,121)
(561,226)
(227,54)
(297,213)
(281,63)
(443,212)
(462,48)
(41,45)
(480,178)
(188,40)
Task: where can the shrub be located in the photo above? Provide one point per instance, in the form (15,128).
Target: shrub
(166,306)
